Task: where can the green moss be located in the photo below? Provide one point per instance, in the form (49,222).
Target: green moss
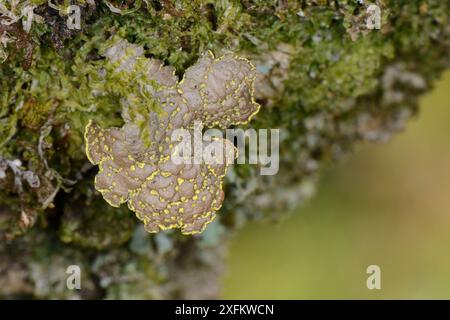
(90,224)
(326,80)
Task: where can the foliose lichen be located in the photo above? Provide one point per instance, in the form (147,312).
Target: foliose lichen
(135,161)
(324,78)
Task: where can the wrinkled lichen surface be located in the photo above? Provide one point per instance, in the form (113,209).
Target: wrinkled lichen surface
(136,162)
(322,77)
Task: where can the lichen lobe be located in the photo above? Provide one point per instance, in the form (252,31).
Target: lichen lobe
(135,163)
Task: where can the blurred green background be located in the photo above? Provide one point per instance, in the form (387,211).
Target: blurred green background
(387,205)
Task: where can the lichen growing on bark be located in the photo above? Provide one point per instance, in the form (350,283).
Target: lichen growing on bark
(323,78)
(135,161)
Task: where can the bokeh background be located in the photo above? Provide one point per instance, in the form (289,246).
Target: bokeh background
(388,204)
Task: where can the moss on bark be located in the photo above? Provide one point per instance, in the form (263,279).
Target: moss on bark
(325,79)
